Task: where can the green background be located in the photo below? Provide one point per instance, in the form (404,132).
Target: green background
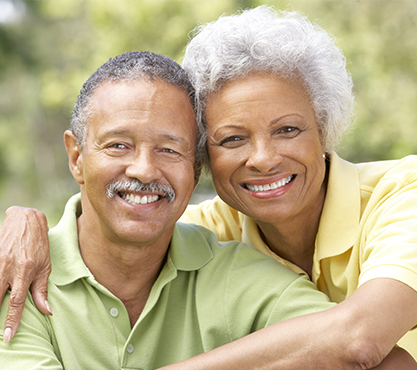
(48,48)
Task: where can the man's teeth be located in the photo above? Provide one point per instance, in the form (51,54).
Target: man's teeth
(136,199)
(272,186)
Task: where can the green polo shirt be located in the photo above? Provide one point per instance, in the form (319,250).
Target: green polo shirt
(207,294)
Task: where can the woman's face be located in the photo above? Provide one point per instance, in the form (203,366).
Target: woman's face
(265,150)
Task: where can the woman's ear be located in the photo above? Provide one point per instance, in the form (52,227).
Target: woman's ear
(75,156)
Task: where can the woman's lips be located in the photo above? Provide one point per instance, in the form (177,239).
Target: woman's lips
(270,186)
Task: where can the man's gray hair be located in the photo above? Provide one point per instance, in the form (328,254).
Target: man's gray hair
(283,43)
(127,67)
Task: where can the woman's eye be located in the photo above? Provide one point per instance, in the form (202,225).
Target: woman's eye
(289,131)
(231,141)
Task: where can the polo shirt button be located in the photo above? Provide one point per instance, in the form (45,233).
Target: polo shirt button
(130,348)
(114,311)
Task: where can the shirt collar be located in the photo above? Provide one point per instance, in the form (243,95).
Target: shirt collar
(67,264)
(190,247)
(339,218)
(341,211)
(252,236)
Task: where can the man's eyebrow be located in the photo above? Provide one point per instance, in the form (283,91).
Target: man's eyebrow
(117,132)
(169,137)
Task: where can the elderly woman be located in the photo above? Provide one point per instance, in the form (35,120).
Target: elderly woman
(275,99)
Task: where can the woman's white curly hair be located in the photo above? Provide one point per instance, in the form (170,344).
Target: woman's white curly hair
(283,43)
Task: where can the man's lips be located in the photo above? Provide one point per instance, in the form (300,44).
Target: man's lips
(136,199)
(270,186)
(136,192)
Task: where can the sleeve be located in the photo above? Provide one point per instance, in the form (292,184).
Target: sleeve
(260,292)
(389,238)
(31,347)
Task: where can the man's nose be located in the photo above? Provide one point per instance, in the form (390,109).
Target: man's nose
(144,166)
(263,156)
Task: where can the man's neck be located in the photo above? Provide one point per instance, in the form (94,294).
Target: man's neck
(128,271)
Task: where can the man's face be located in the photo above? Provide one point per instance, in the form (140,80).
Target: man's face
(143,132)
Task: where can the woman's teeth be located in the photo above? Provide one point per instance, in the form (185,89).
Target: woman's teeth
(272,186)
(136,199)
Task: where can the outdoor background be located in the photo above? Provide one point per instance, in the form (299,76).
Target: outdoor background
(48,48)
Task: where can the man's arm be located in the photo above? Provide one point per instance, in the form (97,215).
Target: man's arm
(356,334)
(24,260)
(32,347)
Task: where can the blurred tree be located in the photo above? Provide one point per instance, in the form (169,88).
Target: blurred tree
(48,48)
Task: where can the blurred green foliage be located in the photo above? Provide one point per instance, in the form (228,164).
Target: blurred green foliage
(48,48)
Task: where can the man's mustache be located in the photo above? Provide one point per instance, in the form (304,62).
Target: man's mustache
(133,185)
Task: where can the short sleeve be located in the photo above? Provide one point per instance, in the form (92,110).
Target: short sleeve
(389,238)
(31,347)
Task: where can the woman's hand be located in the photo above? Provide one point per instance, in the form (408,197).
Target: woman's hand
(24,262)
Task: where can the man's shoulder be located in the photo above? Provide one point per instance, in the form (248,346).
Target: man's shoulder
(233,255)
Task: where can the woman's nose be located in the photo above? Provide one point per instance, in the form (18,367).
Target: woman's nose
(263,157)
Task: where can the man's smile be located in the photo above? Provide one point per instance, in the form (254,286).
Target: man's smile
(129,189)
(137,199)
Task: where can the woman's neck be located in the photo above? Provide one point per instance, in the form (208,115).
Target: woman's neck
(295,244)
(294,239)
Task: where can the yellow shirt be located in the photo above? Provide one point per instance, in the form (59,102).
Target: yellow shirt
(368,228)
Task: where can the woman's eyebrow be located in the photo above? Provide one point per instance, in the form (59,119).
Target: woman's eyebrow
(276,120)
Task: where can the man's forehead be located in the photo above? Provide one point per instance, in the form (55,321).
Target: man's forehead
(160,134)
(166,106)
(110,87)
(137,93)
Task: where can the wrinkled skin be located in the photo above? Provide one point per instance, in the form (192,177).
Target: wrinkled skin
(22,267)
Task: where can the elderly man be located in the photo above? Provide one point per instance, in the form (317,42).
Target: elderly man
(131,288)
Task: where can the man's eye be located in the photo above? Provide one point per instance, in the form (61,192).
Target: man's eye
(170,151)
(118,146)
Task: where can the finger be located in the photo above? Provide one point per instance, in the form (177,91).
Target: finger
(39,291)
(16,304)
(3,289)
(5,262)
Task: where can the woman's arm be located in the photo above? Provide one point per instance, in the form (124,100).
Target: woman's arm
(399,359)
(24,261)
(356,334)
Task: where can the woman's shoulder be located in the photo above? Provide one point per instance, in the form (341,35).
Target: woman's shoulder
(400,171)
(217,216)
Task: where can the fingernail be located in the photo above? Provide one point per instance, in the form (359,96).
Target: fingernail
(48,307)
(7,335)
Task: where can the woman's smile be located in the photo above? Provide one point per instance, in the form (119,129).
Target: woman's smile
(257,186)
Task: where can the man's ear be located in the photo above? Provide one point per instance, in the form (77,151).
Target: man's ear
(75,156)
